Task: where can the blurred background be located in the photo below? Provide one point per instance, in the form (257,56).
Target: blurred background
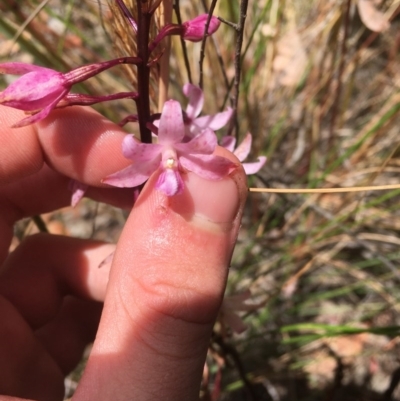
(319,92)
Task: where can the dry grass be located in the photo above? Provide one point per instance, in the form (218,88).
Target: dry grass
(320,94)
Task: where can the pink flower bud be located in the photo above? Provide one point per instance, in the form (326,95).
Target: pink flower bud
(40,89)
(194,29)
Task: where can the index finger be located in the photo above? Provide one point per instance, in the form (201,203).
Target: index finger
(76,142)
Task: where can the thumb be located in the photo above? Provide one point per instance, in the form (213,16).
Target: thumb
(165,289)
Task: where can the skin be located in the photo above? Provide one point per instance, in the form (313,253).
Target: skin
(152,311)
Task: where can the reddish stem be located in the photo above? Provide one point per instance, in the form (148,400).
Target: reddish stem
(143,70)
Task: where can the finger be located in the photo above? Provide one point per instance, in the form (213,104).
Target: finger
(25,365)
(35,283)
(67,335)
(45,268)
(47,190)
(166,286)
(77,142)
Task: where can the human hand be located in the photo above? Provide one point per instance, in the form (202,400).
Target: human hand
(164,288)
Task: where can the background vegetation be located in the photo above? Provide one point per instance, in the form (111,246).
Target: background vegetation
(319,92)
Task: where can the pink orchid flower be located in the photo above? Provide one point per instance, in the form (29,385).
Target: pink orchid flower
(40,89)
(242,151)
(171,156)
(195,28)
(197,124)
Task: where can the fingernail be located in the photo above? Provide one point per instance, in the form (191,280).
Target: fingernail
(213,201)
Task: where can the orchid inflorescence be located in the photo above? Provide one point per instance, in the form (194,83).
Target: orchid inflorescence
(185,141)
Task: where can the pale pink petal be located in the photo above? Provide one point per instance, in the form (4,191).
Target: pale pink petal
(196,100)
(253,168)
(171,129)
(170,182)
(137,151)
(228,142)
(234,321)
(204,143)
(108,260)
(209,167)
(243,150)
(38,116)
(235,301)
(78,190)
(15,68)
(33,91)
(215,122)
(133,175)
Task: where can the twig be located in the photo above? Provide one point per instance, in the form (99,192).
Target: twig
(143,72)
(163,81)
(183,43)
(28,21)
(238,65)
(335,107)
(324,190)
(203,43)
(231,350)
(40,224)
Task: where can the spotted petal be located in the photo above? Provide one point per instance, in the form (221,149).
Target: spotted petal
(196,100)
(170,182)
(209,167)
(204,143)
(133,175)
(171,129)
(137,151)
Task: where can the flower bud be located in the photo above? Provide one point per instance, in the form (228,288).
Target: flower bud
(40,89)
(194,29)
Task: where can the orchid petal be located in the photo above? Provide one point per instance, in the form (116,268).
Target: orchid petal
(228,142)
(234,321)
(209,167)
(236,302)
(21,68)
(196,100)
(214,122)
(133,175)
(78,191)
(204,143)
(38,116)
(253,168)
(137,151)
(171,128)
(170,182)
(243,150)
